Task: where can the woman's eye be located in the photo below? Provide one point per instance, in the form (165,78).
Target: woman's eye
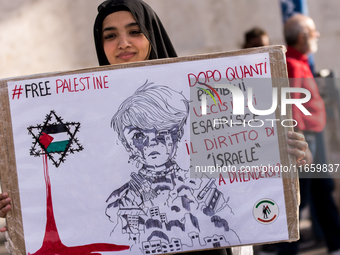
(136,32)
(109,36)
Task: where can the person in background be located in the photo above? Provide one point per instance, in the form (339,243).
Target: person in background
(127,31)
(302,38)
(255,37)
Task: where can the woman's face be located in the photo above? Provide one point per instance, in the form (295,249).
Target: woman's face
(123,41)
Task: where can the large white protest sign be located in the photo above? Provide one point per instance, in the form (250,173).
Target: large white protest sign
(124,160)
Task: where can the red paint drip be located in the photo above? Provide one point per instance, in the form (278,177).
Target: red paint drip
(52,244)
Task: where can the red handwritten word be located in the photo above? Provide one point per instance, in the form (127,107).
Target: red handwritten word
(207,75)
(222,141)
(241,72)
(232,73)
(212,109)
(77,84)
(192,148)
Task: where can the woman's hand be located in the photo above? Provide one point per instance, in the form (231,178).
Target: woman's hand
(4,204)
(4,207)
(300,146)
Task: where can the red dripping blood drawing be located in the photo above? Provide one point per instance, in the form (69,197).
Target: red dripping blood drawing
(54,140)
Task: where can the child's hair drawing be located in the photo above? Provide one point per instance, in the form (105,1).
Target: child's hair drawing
(151,107)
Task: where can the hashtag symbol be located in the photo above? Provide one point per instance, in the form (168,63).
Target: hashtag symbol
(17,92)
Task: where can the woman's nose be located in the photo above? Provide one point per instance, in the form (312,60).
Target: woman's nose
(123,42)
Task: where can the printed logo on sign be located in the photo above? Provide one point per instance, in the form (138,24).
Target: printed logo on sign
(238,103)
(266,211)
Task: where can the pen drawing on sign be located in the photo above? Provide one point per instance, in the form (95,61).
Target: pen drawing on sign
(161,209)
(54,140)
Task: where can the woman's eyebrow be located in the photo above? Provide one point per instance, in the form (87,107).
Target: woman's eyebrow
(132,24)
(109,29)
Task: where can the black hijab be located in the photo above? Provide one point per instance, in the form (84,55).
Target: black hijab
(148,21)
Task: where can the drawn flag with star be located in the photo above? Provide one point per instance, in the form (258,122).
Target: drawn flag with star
(55,138)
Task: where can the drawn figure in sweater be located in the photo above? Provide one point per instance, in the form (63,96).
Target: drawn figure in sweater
(161,200)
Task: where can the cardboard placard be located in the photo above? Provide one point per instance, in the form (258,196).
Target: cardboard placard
(123,159)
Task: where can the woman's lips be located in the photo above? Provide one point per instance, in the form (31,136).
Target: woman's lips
(126,55)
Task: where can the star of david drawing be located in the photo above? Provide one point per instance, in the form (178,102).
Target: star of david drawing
(55,138)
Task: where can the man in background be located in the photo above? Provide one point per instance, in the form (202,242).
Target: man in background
(302,39)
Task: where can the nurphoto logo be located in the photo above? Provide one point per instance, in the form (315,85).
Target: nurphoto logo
(239,105)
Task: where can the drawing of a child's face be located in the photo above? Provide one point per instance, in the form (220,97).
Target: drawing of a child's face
(154,147)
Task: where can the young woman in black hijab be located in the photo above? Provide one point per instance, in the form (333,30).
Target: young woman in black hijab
(146,21)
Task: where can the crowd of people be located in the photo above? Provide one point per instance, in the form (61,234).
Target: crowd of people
(128,31)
